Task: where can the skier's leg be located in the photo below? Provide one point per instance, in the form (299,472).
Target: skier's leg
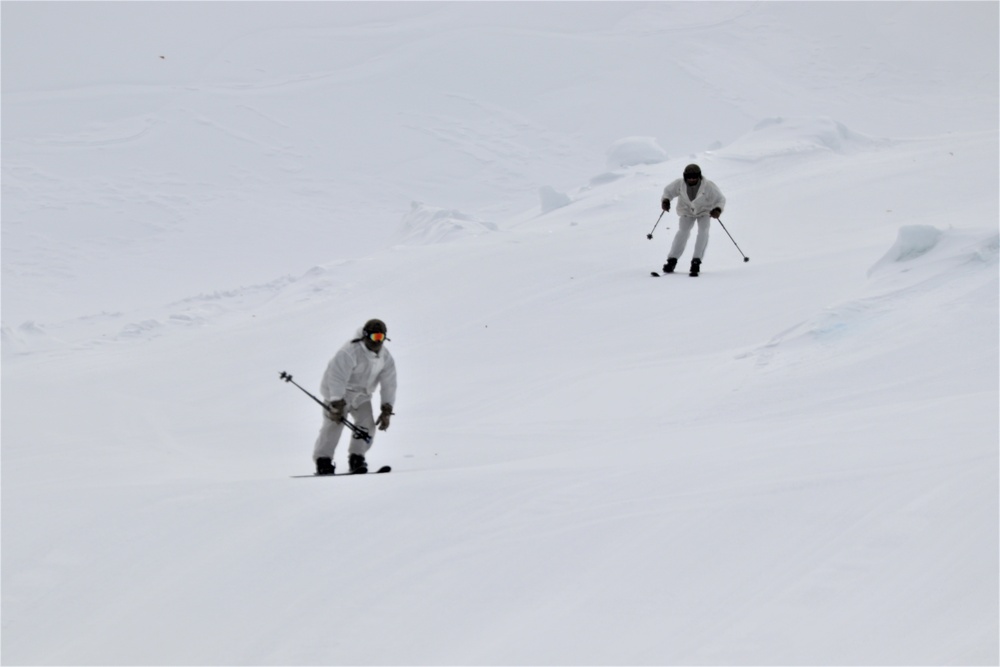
(684,227)
(329,436)
(701,242)
(363,418)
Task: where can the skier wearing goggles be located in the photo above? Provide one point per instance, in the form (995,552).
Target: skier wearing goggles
(349,383)
(698,201)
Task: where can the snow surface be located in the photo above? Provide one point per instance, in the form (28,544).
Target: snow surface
(792,460)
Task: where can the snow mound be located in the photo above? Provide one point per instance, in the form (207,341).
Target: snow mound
(913,241)
(775,137)
(26,338)
(551,200)
(427,224)
(941,250)
(927,273)
(632,151)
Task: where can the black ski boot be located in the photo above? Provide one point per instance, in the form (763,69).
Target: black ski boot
(325,466)
(670,265)
(357,463)
(695,267)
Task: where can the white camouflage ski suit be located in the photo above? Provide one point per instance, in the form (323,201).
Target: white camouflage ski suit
(352,375)
(690,211)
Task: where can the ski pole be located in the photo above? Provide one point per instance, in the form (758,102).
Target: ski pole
(745,258)
(288,378)
(650,234)
(357,430)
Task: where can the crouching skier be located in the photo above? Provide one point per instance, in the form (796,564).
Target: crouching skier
(348,385)
(698,200)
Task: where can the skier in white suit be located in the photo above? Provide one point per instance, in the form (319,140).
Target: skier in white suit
(349,383)
(698,200)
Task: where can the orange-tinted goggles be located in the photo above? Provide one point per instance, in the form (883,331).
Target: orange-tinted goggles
(377,337)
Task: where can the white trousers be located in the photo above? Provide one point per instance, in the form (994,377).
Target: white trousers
(684,228)
(329,433)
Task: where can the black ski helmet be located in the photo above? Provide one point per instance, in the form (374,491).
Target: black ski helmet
(374,326)
(692,170)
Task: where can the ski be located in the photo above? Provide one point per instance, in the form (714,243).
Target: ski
(383,469)
(657,275)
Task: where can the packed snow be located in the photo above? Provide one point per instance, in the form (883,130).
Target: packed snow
(787,460)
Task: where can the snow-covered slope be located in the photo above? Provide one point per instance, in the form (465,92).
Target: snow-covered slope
(791,460)
(174,148)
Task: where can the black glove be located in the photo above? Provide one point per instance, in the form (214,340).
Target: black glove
(383,419)
(336,410)
(666,204)
(715,212)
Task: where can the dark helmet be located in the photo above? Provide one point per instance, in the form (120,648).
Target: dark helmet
(692,170)
(374,326)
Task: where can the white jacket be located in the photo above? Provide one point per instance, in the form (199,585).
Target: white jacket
(709,197)
(355,371)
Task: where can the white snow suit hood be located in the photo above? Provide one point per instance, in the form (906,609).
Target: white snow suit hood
(355,371)
(709,196)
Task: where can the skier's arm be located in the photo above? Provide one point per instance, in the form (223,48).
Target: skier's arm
(719,199)
(387,382)
(338,372)
(672,190)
